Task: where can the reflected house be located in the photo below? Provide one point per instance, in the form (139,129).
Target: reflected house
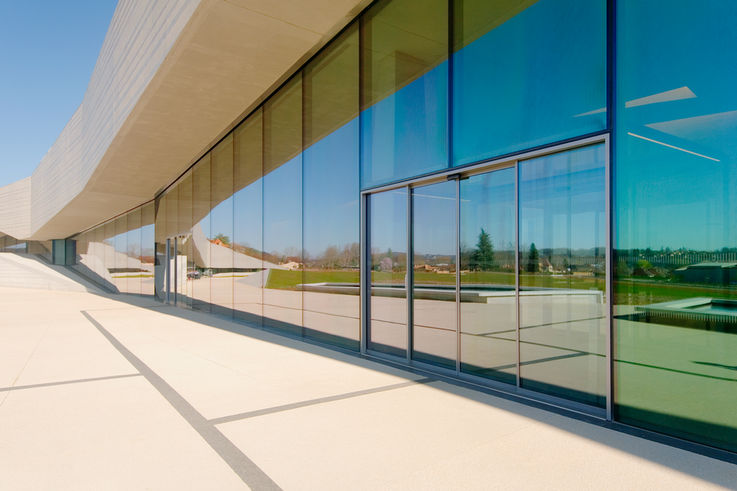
(715,273)
(217,256)
(443,184)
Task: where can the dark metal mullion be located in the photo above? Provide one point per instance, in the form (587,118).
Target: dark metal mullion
(449,118)
(303,113)
(176,257)
(364,232)
(409,276)
(611,24)
(365,272)
(458,275)
(516,268)
(167,272)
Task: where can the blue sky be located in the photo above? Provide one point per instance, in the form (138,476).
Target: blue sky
(48,50)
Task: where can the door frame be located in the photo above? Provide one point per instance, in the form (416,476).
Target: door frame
(457,174)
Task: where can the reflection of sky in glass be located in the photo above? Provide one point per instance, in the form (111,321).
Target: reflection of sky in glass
(675,174)
(405,134)
(487,201)
(434,209)
(247,217)
(221,219)
(388,212)
(331,190)
(562,200)
(535,79)
(283,208)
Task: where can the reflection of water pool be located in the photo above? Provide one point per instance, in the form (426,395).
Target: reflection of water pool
(728,307)
(469,293)
(697,312)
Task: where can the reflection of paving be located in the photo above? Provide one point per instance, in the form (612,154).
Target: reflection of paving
(156,398)
(679,371)
(332,314)
(563,338)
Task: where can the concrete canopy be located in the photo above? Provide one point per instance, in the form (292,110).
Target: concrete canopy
(172,78)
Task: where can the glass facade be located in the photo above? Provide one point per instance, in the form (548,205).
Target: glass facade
(526,73)
(388,250)
(562,274)
(675,213)
(434,338)
(118,254)
(404,102)
(331,213)
(282,209)
(247,219)
(529,303)
(488,243)
(498,271)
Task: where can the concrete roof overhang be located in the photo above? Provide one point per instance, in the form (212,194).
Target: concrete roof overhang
(172,78)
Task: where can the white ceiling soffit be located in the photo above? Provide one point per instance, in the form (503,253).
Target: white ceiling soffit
(172,78)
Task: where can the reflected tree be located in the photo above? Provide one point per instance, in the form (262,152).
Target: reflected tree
(533,259)
(482,258)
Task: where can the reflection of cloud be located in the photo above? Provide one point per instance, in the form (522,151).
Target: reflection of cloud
(698,127)
(667,96)
(674,147)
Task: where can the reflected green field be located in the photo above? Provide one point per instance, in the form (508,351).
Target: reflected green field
(629,291)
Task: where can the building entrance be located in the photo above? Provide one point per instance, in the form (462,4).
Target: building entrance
(498,274)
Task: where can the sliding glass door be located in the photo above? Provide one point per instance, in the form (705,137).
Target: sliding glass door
(498,273)
(434,313)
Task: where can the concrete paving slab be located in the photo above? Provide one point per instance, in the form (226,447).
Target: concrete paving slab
(438,436)
(115,434)
(223,373)
(176,397)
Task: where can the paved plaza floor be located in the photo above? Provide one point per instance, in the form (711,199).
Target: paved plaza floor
(120,392)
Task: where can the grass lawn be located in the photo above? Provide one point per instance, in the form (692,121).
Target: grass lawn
(629,291)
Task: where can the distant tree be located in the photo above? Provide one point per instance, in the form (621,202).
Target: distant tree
(482,258)
(533,259)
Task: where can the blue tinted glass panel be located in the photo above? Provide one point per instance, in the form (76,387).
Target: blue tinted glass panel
(675,217)
(526,74)
(563,299)
(405,90)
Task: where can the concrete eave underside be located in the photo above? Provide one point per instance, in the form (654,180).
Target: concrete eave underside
(227,59)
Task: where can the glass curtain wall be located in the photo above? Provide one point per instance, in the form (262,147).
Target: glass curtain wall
(118,254)
(221,227)
(148,251)
(488,245)
(526,73)
(434,314)
(387,246)
(160,232)
(280,204)
(331,191)
(244,214)
(404,104)
(248,222)
(282,209)
(563,298)
(202,270)
(174,279)
(184,262)
(532,241)
(675,235)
